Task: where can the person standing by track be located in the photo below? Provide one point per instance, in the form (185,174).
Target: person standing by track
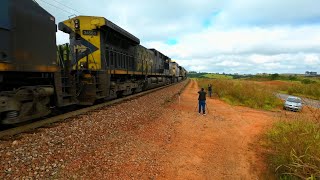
(210,90)
(202,101)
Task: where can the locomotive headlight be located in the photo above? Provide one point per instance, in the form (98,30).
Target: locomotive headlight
(77,24)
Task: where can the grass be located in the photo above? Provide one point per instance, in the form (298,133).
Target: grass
(292,144)
(293,85)
(289,78)
(307,90)
(209,76)
(294,148)
(311,91)
(246,93)
(217,76)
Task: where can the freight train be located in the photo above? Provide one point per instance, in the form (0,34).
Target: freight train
(101,62)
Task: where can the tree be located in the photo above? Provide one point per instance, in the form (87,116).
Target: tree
(274,76)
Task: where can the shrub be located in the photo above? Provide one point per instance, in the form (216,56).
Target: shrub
(274,76)
(292,78)
(294,149)
(307,81)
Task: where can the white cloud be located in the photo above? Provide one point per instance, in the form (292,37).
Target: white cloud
(62,37)
(244,36)
(271,12)
(312,59)
(280,63)
(274,40)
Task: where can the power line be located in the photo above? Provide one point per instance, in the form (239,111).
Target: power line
(35,2)
(57,7)
(66,6)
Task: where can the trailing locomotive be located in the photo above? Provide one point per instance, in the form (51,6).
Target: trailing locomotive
(102,62)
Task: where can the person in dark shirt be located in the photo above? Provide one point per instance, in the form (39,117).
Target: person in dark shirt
(210,90)
(202,101)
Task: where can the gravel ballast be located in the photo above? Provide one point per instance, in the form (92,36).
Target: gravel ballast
(99,144)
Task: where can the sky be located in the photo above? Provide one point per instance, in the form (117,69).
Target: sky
(230,36)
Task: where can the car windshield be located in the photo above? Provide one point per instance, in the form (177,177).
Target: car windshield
(295,100)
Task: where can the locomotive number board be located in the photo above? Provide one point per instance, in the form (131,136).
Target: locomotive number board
(90,32)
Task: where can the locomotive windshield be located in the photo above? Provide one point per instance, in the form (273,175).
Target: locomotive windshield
(4,15)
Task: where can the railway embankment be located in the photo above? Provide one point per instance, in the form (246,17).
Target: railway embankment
(96,144)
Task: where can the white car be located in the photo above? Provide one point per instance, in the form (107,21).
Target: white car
(293,104)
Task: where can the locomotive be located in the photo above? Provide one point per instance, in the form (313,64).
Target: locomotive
(101,62)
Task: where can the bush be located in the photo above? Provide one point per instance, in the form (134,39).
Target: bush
(294,149)
(292,78)
(307,81)
(274,76)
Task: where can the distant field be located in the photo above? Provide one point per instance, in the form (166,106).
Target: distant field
(297,85)
(295,88)
(210,76)
(217,76)
(242,92)
(289,78)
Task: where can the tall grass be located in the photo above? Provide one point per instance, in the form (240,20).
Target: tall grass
(246,93)
(294,149)
(307,90)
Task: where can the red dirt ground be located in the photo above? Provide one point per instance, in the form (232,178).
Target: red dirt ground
(221,145)
(152,137)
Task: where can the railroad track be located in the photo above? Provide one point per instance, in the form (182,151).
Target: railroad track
(48,121)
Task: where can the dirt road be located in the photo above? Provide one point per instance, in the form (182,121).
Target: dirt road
(220,145)
(306,101)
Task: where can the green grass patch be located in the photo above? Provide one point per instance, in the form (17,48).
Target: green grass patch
(311,91)
(209,76)
(306,87)
(294,149)
(217,76)
(246,93)
(307,90)
(290,78)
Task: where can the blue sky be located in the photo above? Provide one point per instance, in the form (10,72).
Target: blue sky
(232,36)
